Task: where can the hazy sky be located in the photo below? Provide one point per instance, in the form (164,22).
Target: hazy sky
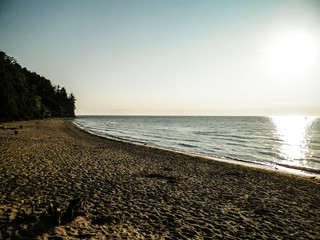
(172,57)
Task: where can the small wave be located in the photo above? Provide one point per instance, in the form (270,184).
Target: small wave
(316,147)
(204,133)
(186,145)
(268,154)
(192,140)
(301,168)
(227,140)
(235,144)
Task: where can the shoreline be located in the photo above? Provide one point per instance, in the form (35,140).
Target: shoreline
(269,165)
(129,191)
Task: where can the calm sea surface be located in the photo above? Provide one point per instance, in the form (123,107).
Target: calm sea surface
(291,142)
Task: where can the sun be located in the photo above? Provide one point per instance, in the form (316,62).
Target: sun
(290,54)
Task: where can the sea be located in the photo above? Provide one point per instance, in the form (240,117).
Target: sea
(289,143)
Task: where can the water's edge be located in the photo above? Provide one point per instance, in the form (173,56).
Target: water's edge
(269,165)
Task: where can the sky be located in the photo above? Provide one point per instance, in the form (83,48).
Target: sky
(177,57)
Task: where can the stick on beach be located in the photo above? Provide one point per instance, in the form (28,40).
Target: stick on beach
(59,181)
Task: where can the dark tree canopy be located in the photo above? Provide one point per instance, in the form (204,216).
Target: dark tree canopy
(26,95)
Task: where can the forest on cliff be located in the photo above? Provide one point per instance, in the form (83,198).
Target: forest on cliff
(27,95)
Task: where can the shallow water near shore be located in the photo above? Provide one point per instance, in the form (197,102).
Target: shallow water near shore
(282,142)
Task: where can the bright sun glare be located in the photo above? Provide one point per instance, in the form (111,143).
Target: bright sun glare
(294,135)
(290,54)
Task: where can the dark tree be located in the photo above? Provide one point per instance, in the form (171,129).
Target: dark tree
(26,95)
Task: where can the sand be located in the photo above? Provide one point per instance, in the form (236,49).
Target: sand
(59,182)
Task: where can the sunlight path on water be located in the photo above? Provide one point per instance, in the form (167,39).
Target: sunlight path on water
(294,134)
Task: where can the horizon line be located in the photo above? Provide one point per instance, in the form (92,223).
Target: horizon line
(194,115)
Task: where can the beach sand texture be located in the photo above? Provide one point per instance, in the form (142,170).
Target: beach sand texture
(59,181)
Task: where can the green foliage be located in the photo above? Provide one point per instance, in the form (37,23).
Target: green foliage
(26,95)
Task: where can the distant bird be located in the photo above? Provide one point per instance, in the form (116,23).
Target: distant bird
(16,132)
(21,127)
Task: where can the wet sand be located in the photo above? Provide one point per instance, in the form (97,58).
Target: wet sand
(59,181)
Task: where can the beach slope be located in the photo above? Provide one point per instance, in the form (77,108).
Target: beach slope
(59,181)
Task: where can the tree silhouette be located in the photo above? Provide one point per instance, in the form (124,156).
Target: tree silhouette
(26,95)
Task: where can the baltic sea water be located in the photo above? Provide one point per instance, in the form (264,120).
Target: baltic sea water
(291,142)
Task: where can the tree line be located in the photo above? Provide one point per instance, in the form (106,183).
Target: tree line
(27,95)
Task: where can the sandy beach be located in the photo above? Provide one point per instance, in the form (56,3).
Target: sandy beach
(59,182)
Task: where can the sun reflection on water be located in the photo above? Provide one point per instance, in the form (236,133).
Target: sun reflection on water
(294,136)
